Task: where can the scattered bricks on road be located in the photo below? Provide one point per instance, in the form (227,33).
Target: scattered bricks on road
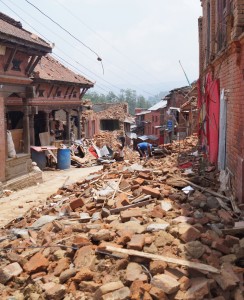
(63,264)
(157,212)
(84,274)
(231,240)
(121,294)
(157,267)
(66,275)
(166,283)
(54,291)
(137,242)
(37,263)
(9,272)
(122,200)
(155,193)
(227,279)
(158,294)
(220,246)
(76,203)
(126,215)
(84,257)
(198,290)
(134,272)
(188,233)
(185,283)
(107,288)
(145,175)
(225,217)
(136,289)
(138,181)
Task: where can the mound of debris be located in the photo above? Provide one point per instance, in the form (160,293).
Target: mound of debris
(130,231)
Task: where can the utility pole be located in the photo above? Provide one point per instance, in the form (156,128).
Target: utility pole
(185,73)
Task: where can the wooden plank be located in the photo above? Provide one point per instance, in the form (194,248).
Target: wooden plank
(203,189)
(138,204)
(177,261)
(233,231)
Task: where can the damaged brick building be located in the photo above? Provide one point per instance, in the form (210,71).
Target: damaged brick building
(221,88)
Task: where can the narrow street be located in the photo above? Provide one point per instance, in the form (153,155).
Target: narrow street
(19,202)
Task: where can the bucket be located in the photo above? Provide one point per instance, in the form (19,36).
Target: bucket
(63,158)
(39,158)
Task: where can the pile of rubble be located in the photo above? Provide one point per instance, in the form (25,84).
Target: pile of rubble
(130,231)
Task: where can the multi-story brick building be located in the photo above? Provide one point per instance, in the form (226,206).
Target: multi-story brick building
(221,97)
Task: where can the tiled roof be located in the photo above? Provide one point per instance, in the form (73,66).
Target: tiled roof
(13,29)
(50,69)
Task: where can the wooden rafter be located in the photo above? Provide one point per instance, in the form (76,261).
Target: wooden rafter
(32,67)
(66,93)
(56,91)
(50,91)
(10,59)
(71,93)
(29,64)
(84,90)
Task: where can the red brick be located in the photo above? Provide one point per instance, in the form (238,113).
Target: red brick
(145,175)
(9,272)
(157,212)
(76,203)
(137,242)
(126,215)
(150,191)
(139,181)
(220,246)
(37,263)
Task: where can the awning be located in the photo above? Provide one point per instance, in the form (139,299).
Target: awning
(148,137)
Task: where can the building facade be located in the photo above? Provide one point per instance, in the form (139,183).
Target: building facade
(221,86)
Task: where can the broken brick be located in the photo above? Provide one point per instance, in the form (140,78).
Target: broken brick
(37,263)
(126,215)
(155,193)
(76,203)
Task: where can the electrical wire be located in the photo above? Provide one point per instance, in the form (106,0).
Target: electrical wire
(69,44)
(68,32)
(106,41)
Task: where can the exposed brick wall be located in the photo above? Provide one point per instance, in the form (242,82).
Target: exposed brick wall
(2,140)
(227,65)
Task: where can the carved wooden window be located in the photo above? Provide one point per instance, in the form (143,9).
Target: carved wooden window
(16,64)
(74,94)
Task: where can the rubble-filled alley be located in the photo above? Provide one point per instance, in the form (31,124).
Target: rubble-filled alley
(160,228)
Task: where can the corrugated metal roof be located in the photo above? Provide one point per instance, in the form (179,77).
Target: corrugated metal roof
(143,113)
(160,104)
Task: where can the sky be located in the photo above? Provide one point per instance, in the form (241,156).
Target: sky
(140,42)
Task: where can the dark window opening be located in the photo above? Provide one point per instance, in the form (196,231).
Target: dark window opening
(58,94)
(16,64)
(14,120)
(74,94)
(109,125)
(41,93)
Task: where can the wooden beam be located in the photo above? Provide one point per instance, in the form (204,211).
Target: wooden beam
(66,93)
(56,91)
(32,67)
(71,92)
(84,90)
(10,59)
(177,261)
(37,89)
(50,91)
(138,204)
(29,64)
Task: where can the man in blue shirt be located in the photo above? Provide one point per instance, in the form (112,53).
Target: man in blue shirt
(144,149)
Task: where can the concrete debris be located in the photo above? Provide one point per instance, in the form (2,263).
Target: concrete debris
(129,232)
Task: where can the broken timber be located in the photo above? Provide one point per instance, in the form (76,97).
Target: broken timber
(193,265)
